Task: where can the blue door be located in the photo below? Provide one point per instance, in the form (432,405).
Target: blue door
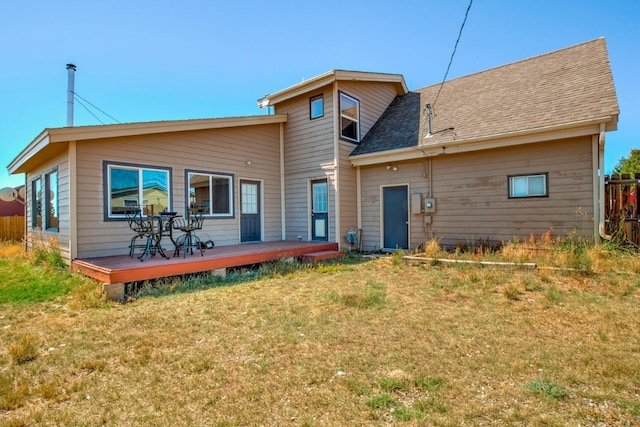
(319,210)
(396,217)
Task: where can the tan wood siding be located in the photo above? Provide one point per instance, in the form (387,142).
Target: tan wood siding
(220,150)
(348,191)
(309,154)
(374,99)
(310,151)
(60,237)
(471,191)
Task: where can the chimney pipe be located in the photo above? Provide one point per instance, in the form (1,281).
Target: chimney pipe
(71,72)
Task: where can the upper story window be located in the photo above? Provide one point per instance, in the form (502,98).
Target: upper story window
(528,186)
(211,193)
(51,217)
(316,107)
(36,203)
(349,118)
(128,186)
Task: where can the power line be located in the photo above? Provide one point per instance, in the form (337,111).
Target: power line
(433,104)
(89,111)
(78,97)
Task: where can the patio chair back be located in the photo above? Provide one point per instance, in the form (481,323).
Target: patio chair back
(137,223)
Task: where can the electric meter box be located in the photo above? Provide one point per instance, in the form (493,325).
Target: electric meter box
(429,205)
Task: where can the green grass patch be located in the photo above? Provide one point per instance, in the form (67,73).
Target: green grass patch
(546,388)
(23,281)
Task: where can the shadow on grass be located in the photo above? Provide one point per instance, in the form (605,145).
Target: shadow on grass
(247,273)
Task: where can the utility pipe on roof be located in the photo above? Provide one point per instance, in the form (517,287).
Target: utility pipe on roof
(601,226)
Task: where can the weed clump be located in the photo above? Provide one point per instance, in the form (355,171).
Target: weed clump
(47,253)
(24,350)
(546,388)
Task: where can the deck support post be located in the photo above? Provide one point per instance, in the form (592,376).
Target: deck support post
(218,272)
(114,291)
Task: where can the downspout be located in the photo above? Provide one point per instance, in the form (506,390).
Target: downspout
(283,221)
(601,226)
(336,156)
(73,200)
(358,198)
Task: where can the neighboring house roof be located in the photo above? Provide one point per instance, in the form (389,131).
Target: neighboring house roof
(330,77)
(566,89)
(51,141)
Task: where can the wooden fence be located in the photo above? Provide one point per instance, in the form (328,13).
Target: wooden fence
(621,206)
(11,227)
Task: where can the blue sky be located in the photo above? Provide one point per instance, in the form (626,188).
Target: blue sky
(164,60)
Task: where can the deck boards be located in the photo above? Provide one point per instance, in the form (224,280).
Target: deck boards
(122,269)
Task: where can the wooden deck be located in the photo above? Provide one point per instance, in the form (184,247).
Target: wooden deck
(122,269)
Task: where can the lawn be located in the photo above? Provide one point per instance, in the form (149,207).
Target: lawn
(380,341)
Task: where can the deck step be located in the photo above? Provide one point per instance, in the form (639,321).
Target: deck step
(318,256)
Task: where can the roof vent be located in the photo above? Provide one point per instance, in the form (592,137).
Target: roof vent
(429,111)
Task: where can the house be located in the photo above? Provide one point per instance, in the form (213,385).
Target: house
(13,206)
(12,213)
(506,152)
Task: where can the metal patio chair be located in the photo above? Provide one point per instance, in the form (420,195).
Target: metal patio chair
(188,240)
(142,230)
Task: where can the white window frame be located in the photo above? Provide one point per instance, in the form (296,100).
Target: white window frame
(356,120)
(525,181)
(142,201)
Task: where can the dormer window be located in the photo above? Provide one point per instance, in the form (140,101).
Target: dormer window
(316,107)
(349,118)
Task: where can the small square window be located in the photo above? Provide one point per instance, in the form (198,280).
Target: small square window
(316,107)
(528,186)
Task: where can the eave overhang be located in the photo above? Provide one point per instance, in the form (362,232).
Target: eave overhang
(328,78)
(52,141)
(442,147)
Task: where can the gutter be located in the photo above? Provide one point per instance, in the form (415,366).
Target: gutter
(546,133)
(601,225)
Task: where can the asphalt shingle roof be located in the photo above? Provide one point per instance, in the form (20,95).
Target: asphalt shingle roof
(557,88)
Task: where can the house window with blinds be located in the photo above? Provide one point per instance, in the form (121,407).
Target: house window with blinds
(521,186)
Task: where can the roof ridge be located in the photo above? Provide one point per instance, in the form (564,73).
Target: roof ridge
(520,61)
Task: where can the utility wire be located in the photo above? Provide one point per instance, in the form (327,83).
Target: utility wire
(433,104)
(78,97)
(89,111)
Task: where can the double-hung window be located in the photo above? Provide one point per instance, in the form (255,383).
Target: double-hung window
(349,118)
(211,193)
(136,186)
(528,186)
(51,217)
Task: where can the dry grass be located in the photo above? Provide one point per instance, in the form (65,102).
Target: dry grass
(380,342)
(11,249)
